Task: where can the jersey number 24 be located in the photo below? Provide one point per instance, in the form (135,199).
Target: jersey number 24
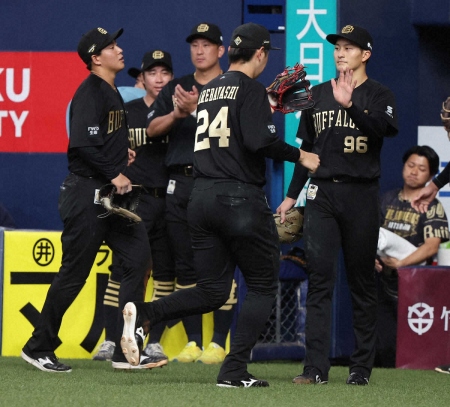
(217,128)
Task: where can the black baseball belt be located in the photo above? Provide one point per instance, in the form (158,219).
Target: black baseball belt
(355,180)
(155,192)
(186,170)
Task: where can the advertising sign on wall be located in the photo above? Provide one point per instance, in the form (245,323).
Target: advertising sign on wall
(31,261)
(35,89)
(423,329)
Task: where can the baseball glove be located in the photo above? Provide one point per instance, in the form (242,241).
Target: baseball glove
(123,205)
(290,92)
(445,115)
(292,229)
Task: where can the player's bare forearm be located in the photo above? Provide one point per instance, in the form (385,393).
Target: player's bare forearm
(429,248)
(425,196)
(310,161)
(424,252)
(161,125)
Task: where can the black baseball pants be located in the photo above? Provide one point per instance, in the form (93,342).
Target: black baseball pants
(231,225)
(341,215)
(82,236)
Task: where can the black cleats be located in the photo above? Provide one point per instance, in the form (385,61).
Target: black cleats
(443,369)
(250,382)
(357,379)
(310,376)
(47,363)
(146,362)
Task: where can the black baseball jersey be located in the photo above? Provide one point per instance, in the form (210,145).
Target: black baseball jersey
(181,146)
(400,218)
(97,119)
(148,168)
(235,131)
(443,178)
(346,142)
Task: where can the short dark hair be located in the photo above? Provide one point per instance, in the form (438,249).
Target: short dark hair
(428,153)
(240,54)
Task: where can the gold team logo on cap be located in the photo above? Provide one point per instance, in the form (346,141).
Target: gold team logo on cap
(92,49)
(158,55)
(347,29)
(237,40)
(202,28)
(102,30)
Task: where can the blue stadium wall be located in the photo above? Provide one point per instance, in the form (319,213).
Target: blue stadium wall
(410,56)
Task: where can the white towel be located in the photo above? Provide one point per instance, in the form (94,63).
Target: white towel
(392,245)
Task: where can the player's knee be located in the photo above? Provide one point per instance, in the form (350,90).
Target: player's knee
(162,289)
(217,297)
(111,296)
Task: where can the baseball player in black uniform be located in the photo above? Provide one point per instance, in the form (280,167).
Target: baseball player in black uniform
(97,154)
(346,128)
(148,169)
(230,220)
(206,47)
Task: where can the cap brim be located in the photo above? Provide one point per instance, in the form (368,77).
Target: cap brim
(114,37)
(193,37)
(117,34)
(157,63)
(333,38)
(134,72)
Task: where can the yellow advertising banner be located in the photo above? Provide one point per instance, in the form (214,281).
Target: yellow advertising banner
(31,261)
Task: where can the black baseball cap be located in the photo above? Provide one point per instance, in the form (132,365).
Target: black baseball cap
(358,35)
(251,36)
(206,30)
(156,57)
(134,72)
(94,41)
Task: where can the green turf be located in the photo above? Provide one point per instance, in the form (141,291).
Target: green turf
(93,383)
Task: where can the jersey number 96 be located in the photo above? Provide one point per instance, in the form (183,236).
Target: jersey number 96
(358,144)
(218,128)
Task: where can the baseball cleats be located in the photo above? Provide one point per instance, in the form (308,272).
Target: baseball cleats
(190,353)
(156,352)
(443,369)
(145,362)
(249,382)
(47,363)
(357,379)
(309,376)
(105,351)
(212,355)
(133,335)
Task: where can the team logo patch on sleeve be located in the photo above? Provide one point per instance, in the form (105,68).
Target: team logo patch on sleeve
(93,131)
(390,111)
(272,128)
